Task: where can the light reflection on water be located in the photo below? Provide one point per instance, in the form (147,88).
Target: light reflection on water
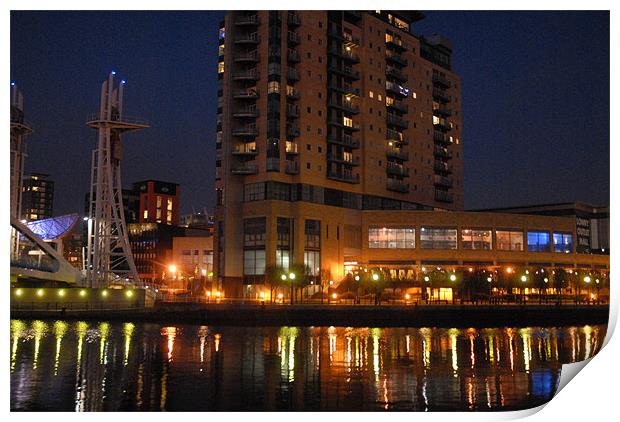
(58,365)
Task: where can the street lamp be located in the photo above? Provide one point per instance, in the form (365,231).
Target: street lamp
(523,279)
(452,277)
(375,277)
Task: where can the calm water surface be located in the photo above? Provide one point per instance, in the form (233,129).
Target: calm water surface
(86,366)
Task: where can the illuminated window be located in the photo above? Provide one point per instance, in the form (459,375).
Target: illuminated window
(146,214)
(476,239)
(169,217)
(371,94)
(437,238)
(538,241)
(158,214)
(389,101)
(222,33)
(159,202)
(254,262)
(220,50)
(169,204)
(379,97)
(273,87)
(220,67)
(508,240)
(414,95)
(347,121)
(391,238)
(563,242)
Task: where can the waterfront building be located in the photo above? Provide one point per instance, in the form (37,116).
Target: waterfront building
(20,128)
(159,202)
(37,197)
(339,148)
(192,260)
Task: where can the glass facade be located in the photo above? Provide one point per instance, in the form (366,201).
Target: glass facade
(438,238)
(563,242)
(284,243)
(391,238)
(312,247)
(476,239)
(538,241)
(254,233)
(509,240)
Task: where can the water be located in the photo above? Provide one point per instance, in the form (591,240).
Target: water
(86,366)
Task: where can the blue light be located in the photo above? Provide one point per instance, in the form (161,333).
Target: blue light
(12,83)
(123,81)
(114,72)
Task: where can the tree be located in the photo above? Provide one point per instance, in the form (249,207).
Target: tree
(541,280)
(560,281)
(273,277)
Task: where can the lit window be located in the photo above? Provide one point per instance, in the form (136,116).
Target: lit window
(158,214)
(222,33)
(379,97)
(221,50)
(476,239)
(169,217)
(437,238)
(414,95)
(146,214)
(220,67)
(169,204)
(158,201)
(391,238)
(347,121)
(538,241)
(508,240)
(273,87)
(371,94)
(562,242)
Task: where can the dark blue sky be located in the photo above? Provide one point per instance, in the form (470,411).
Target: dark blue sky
(535,99)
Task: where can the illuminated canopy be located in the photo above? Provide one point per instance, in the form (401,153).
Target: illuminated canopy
(53,228)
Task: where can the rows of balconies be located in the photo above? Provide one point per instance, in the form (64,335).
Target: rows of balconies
(397,169)
(346,89)
(293,38)
(291,167)
(345,106)
(395,57)
(345,140)
(394,120)
(345,54)
(245,169)
(398,153)
(441,81)
(292,94)
(249,149)
(397,185)
(396,89)
(252,38)
(443,181)
(443,196)
(246,131)
(395,44)
(441,95)
(337,158)
(398,105)
(393,135)
(441,138)
(343,176)
(293,56)
(395,73)
(355,126)
(245,112)
(292,75)
(346,71)
(247,75)
(442,125)
(292,131)
(291,148)
(347,38)
(292,111)
(246,94)
(250,56)
(442,111)
(442,167)
(441,152)
(293,19)
(247,20)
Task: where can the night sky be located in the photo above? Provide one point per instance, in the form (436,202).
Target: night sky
(535,100)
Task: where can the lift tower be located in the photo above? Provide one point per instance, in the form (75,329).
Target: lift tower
(109,258)
(19,129)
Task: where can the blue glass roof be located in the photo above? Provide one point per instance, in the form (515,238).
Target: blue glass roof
(53,228)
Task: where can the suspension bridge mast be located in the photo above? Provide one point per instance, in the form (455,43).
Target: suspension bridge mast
(109,258)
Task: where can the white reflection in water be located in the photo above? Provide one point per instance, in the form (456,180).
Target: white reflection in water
(60,328)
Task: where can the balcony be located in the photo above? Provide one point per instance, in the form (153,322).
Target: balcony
(293,19)
(396,89)
(346,89)
(292,75)
(398,153)
(248,75)
(397,169)
(442,126)
(398,105)
(394,57)
(247,20)
(292,148)
(396,74)
(443,196)
(350,161)
(345,54)
(393,135)
(293,38)
(396,185)
(345,37)
(292,167)
(251,56)
(441,95)
(250,131)
(397,121)
(354,15)
(441,138)
(345,106)
(293,56)
(345,141)
(245,150)
(442,112)
(246,94)
(345,177)
(272,164)
(443,181)
(345,71)
(252,38)
(442,167)
(395,43)
(355,126)
(292,131)
(292,111)
(441,152)
(441,81)
(292,94)
(246,112)
(245,169)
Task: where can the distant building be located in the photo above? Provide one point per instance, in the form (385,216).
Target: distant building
(201,220)
(591,222)
(151,246)
(192,256)
(37,197)
(159,202)
(131,205)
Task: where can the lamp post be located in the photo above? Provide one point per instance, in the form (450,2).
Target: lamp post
(588,279)
(357,289)
(375,278)
(523,280)
(426,280)
(453,279)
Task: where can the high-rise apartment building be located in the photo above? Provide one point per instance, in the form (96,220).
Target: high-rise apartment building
(321,116)
(159,202)
(37,197)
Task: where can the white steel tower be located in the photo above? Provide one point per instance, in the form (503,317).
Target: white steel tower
(19,129)
(109,258)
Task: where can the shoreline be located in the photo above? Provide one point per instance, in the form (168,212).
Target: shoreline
(457,316)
